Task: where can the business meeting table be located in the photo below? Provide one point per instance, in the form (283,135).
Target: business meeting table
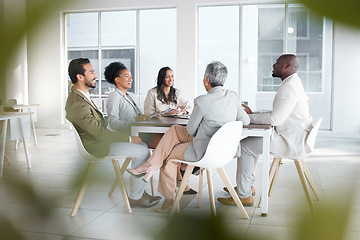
(162,124)
(5,117)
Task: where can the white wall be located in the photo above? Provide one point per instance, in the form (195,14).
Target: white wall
(16,74)
(346,80)
(47,72)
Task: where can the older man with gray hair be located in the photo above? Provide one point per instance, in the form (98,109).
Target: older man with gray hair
(210,112)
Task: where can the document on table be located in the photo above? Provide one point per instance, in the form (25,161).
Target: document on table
(159,113)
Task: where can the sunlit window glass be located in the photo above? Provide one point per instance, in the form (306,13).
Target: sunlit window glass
(219,41)
(157,45)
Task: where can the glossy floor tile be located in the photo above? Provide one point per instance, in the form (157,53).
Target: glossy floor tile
(36,203)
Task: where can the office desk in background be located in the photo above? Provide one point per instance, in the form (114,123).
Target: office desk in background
(21,118)
(162,124)
(31,108)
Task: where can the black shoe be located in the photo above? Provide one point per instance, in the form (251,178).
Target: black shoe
(190,192)
(195,171)
(145,201)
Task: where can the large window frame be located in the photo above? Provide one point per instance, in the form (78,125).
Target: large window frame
(100,98)
(265,97)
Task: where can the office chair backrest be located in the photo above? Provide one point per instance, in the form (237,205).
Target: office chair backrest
(222,146)
(310,141)
(81,147)
(11,102)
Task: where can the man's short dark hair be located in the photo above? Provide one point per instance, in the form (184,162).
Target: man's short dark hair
(76,67)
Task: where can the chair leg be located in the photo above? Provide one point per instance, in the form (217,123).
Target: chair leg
(122,170)
(211,192)
(234,195)
(181,189)
(200,187)
(152,186)
(310,180)
(16,144)
(273,179)
(121,183)
(7,159)
(33,128)
(152,178)
(274,170)
(82,190)
(300,170)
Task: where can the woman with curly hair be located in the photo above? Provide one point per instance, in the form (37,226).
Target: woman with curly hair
(121,107)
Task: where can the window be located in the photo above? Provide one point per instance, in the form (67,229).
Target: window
(157,45)
(105,37)
(219,41)
(267,31)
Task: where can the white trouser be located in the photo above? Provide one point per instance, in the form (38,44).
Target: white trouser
(251,149)
(138,153)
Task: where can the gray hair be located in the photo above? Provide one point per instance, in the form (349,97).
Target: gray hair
(217,73)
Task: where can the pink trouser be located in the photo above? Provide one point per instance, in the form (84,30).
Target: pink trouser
(171,146)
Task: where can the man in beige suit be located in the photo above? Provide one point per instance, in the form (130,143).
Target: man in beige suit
(292,123)
(96,138)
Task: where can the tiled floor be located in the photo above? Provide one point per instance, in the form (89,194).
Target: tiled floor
(38,202)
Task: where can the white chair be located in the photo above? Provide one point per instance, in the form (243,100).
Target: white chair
(220,151)
(301,168)
(123,168)
(92,163)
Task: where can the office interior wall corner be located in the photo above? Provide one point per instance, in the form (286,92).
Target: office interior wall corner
(346,80)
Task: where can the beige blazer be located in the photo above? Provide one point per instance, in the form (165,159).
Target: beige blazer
(152,104)
(290,117)
(210,112)
(90,124)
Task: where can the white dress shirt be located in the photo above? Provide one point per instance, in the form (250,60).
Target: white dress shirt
(152,104)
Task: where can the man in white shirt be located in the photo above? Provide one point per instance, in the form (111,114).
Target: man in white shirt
(292,123)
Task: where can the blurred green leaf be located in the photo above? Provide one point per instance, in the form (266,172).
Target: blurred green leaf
(329,223)
(11,34)
(7,231)
(345,11)
(197,226)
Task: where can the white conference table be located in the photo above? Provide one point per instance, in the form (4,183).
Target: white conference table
(162,124)
(4,117)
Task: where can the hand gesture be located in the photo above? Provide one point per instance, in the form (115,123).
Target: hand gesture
(135,139)
(142,118)
(177,111)
(247,109)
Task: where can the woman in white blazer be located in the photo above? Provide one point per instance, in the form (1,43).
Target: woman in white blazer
(210,112)
(121,107)
(165,96)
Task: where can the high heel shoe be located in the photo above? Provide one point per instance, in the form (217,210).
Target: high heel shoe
(149,173)
(135,173)
(166,206)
